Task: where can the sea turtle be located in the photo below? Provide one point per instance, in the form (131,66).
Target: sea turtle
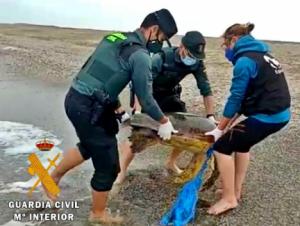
(190,137)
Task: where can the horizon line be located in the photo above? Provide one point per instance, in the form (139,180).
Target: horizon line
(97,29)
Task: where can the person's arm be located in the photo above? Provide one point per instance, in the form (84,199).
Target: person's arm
(157,63)
(136,108)
(223,123)
(243,70)
(209,105)
(141,77)
(204,88)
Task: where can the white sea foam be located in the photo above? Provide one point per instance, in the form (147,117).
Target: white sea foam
(18,223)
(19,139)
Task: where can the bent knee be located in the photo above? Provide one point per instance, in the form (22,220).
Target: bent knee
(103,180)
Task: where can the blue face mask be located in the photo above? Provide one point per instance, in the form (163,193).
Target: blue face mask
(229,54)
(188,61)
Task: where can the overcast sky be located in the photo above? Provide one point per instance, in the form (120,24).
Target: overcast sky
(274,20)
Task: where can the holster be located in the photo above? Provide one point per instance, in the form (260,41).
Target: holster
(103,112)
(97,112)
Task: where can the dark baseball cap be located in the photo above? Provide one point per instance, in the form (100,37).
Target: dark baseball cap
(195,43)
(166,22)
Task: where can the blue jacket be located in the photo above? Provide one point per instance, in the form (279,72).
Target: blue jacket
(245,69)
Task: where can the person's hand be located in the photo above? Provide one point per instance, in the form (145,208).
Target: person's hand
(165,130)
(135,112)
(212,119)
(216,133)
(122,116)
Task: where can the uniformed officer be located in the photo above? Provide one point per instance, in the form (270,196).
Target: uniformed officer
(93,98)
(169,67)
(172,65)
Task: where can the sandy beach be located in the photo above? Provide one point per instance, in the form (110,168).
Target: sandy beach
(36,69)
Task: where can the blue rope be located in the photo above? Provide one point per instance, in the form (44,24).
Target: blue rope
(184,207)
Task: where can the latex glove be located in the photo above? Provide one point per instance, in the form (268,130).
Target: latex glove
(123,116)
(216,133)
(212,119)
(135,112)
(165,130)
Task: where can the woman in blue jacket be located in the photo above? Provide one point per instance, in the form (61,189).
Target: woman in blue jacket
(260,92)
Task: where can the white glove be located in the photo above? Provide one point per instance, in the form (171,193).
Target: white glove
(216,133)
(125,117)
(135,112)
(165,130)
(122,116)
(212,119)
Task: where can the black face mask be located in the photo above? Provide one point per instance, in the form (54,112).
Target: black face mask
(154,46)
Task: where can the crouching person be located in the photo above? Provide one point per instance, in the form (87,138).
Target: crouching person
(169,67)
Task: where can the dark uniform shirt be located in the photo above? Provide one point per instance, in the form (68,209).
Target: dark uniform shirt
(165,79)
(137,68)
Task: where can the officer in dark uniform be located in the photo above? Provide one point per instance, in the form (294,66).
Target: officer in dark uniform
(172,65)
(93,98)
(169,67)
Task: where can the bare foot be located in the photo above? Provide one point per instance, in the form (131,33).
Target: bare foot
(238,194)
(105,218)
(121,178)
(174,168)
(222,206)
